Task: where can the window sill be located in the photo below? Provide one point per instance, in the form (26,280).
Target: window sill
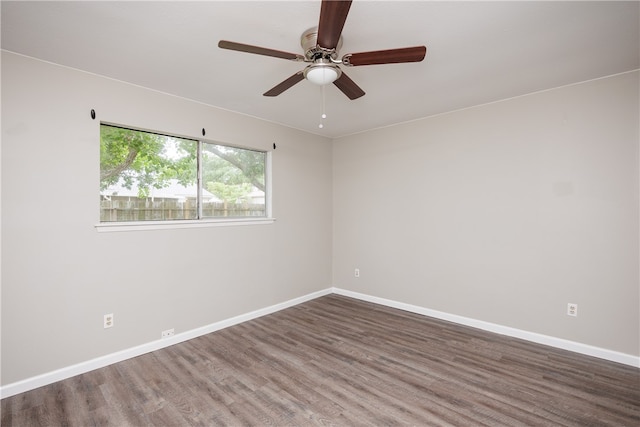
(109,227)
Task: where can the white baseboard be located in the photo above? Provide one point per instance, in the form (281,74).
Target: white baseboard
(100,362)
(576,347)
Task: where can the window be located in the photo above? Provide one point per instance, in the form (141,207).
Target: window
(146,176)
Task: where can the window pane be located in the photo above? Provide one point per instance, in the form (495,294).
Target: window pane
(146,176)
(233,182)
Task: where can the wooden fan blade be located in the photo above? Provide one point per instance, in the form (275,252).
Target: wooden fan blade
(333,14)
(225,44)
(348,87)
(391,56)
(281,87)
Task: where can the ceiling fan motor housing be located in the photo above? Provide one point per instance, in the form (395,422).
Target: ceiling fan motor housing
(309,43)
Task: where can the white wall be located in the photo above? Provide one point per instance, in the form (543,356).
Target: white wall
(59,275)
(502,213)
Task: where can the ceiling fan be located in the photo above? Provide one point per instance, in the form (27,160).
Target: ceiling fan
(321,45)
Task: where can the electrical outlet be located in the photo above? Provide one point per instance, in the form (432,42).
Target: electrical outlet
(168,333)
(572,309)
(356,273)
(108,320)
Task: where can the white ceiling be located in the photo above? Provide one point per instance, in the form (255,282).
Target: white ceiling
(477,52)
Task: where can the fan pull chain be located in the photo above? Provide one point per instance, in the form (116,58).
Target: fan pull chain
(323,116)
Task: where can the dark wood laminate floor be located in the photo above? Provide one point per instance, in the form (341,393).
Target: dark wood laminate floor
(340,361)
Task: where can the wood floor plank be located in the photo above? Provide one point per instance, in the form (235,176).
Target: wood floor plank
(336,361)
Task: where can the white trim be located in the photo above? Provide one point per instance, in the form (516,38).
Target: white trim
(268,184)
(100,362)
(589,350)
(107,227)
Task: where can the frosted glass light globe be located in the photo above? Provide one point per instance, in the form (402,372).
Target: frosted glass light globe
(321,75)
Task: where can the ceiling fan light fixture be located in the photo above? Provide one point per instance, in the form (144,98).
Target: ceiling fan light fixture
(322,74)
(321,45)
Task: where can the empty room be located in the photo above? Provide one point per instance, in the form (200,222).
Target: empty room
(320,213)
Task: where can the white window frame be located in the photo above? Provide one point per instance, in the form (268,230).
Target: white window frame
(114,226)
